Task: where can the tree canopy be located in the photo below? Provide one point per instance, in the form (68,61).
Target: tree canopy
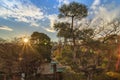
(42,44)
(73,9)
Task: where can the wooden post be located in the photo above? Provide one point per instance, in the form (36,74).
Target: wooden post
(54,71)
(4,76)
(59,76)
(14,77)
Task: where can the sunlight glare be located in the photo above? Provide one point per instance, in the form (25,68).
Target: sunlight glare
(25,40)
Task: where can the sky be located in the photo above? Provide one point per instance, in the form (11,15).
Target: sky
(23,17)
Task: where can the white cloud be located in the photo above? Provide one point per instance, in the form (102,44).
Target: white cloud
(63,2)
(102,15)
(20,10)
(34,24)
(6,28)
(50,30)
(95,4)
(54,19)
(107,13)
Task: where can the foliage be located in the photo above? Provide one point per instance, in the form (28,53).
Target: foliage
(42,44)
(93,56)
(102,76)
(15,59)
(2,40)
(113,74)
(96,56)
(63,29)
(73,76)
(95,49)
(20,57)
(73,10)
(40,38)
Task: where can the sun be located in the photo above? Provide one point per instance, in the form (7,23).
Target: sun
(25,40)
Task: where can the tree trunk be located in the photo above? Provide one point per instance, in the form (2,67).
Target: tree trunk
(109,61)
(73,39)
(65,41)
(88,77)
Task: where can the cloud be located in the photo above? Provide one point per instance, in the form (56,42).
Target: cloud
(6,28)
(50,30)
(102,15)
(94,7)
(63,2)
(108,13)
(35,24)
(95,4)
(21,11)
(54,19)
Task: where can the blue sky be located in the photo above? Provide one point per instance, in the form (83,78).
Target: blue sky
(22,17)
